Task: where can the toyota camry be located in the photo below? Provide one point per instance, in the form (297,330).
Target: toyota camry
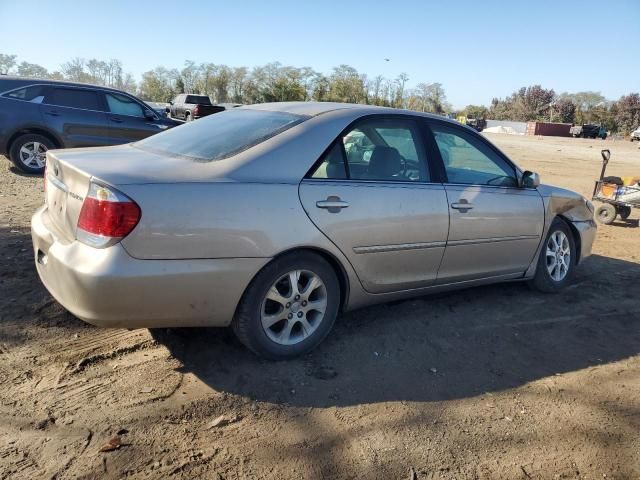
(275,218)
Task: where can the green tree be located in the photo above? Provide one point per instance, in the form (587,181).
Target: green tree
(563,110)
(32,70)
(475,111)
(627,112)
(7,62)
(345,85)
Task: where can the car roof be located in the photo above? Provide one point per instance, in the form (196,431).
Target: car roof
(313,109)
(10,82)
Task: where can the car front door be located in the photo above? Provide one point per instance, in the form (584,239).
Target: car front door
(129,120)
(76,115)
(495,225)
(371,195)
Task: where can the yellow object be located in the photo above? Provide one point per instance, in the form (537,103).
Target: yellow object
(626,181)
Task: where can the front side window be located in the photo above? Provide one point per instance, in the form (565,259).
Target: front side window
(376,149)
(222,135)
(467,160)
(123,105)
(73,97)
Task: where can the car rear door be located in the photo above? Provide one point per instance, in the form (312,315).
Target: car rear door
(128,121)
(76,115)
(371,194)
(495,225)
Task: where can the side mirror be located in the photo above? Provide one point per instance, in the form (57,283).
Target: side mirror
(149,115)
(530,180)
(167,110)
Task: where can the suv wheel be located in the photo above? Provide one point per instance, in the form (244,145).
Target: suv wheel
(28,152)
(289,307)
(557,259)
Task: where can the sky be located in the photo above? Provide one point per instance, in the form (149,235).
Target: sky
(477,49)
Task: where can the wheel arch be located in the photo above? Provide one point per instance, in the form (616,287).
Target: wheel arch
(33,130)
(331,259)
(577,239)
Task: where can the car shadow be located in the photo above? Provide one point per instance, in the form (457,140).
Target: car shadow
(16,171)
(628,223)
(437,347)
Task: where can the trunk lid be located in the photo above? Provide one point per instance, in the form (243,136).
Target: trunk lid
(126,165)
(66,187)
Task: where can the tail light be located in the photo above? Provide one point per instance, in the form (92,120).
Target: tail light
(106,217)
(196,110)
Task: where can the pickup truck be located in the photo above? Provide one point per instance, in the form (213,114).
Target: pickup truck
(588,130)
(189,107)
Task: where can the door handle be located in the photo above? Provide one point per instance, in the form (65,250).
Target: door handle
(463,205)
(116,120)
(53,113)
(332,203)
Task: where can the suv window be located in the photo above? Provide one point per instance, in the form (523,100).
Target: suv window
(73,97)
(377,149)
(123,105)
(468,160)
(33,94)
(222,135)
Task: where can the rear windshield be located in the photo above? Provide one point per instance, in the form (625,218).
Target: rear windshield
(201,99)
(221,135)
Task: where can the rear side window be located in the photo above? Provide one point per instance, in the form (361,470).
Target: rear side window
(123,105)
(222,135)
(380,149)
(75,98)
(201,99)
(33,94)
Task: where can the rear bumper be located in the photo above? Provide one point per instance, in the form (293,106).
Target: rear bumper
(109,288)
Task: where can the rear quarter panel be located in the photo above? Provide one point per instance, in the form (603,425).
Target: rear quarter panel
(219,220)
(17,115)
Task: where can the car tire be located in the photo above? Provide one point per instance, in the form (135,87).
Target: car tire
(624,212)
(274,320)
(551,275)
(606,213)
(28,142)
(187,117)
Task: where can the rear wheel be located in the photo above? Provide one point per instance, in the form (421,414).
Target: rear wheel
(557,259)
(624,212)
(606,213)
(289,307)
(28,152)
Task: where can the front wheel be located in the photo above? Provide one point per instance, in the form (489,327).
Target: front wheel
(289,307)
(28,152)
(557,259)
(606,213)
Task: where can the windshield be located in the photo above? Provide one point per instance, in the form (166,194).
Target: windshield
(221,135)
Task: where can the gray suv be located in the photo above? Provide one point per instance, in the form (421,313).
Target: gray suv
(38,115)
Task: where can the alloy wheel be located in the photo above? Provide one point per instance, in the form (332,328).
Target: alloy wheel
(294,307)
(558,255)
(33,154)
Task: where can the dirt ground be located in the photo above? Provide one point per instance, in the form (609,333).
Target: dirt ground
(497,382)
